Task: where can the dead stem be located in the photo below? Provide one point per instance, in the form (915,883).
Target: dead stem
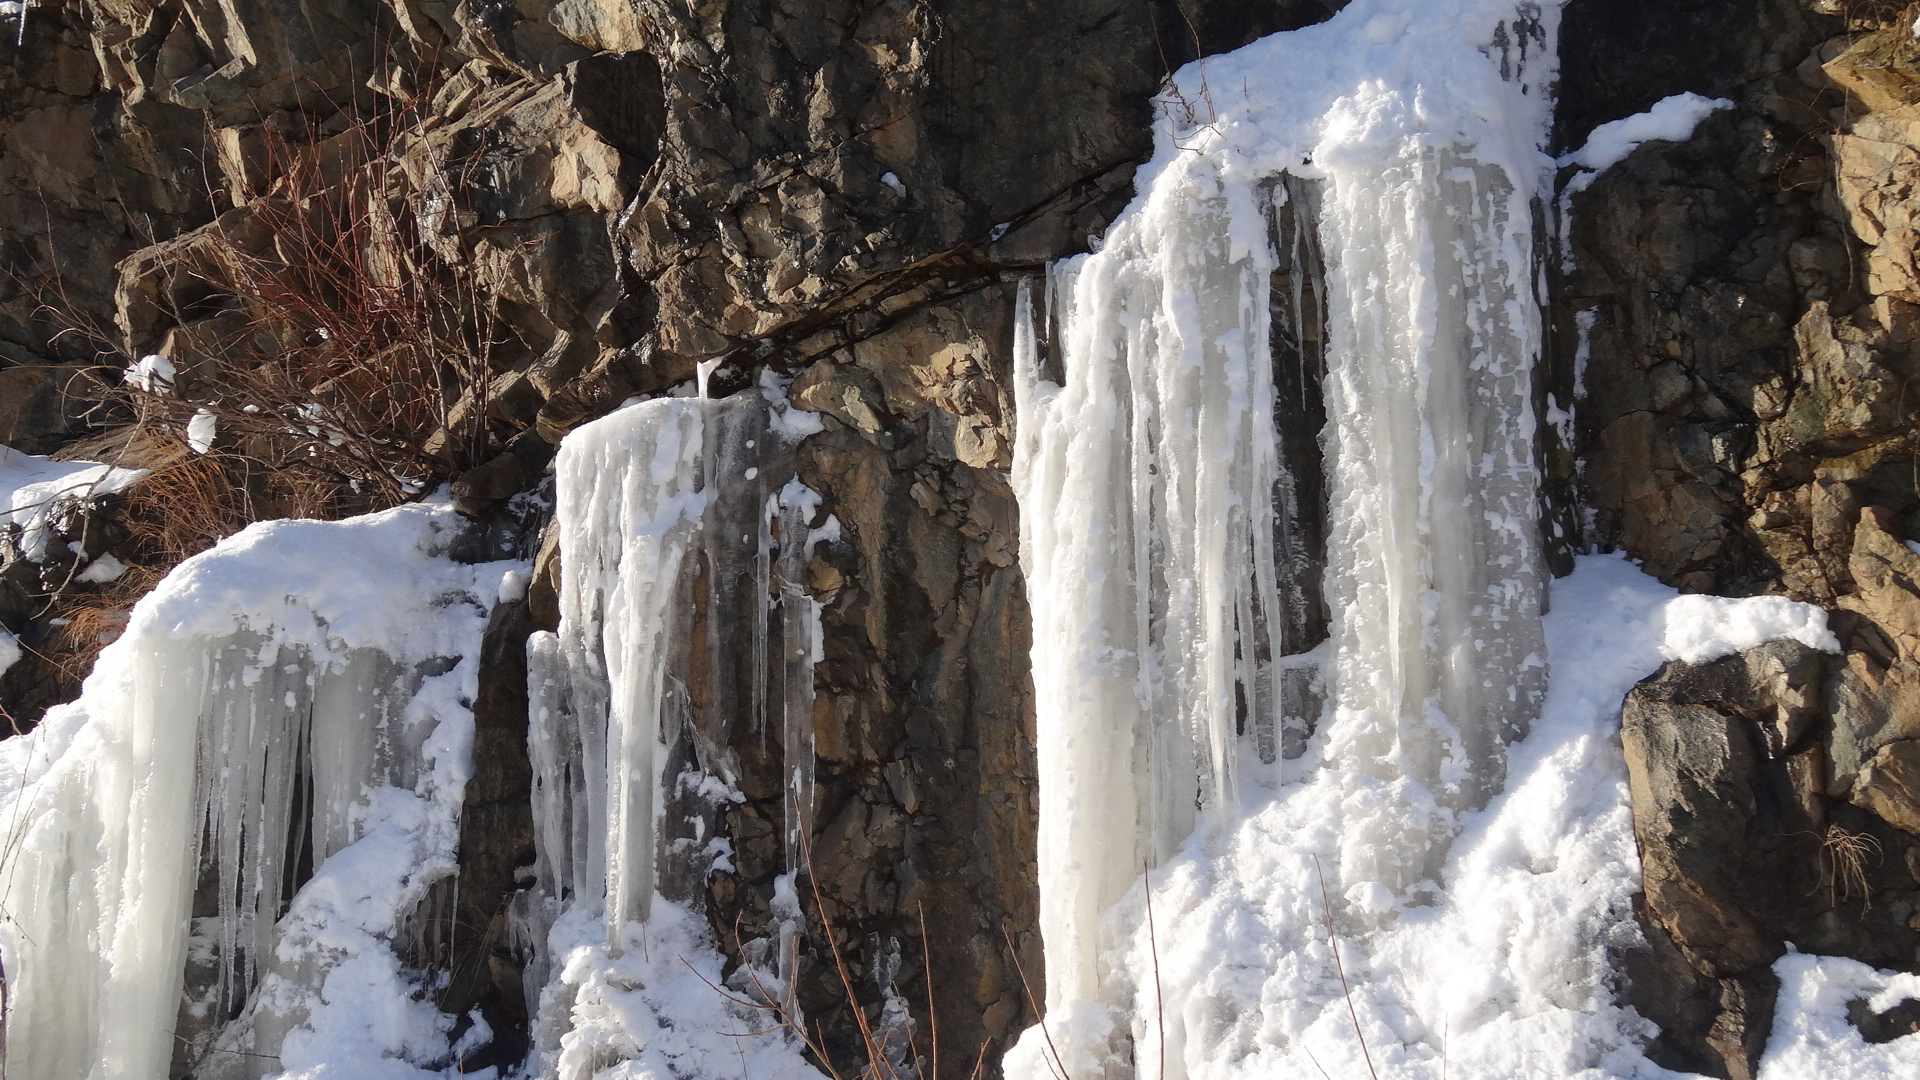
(1334,943)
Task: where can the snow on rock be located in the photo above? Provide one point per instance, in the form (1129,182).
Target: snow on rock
(1671,118)
(102,569)
(1703,628)
(659,1007)
(9,650)
(1812,1036)
(153,374)
(32,487)
(335,658)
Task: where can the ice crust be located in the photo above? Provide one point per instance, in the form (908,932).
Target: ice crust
(300,679)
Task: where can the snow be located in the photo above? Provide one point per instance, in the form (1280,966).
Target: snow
(659,1007)
(153,374)
(1703,628)
(1811,1034)
(9,650)
(1672,119)
(513,587)
(345,649)
(201,431)
(31,489)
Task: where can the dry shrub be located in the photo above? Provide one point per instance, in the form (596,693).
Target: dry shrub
(339,328)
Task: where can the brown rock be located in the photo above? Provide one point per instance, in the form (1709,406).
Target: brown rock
(31,406)
(1889,785)
(1875,70)
(1692,771)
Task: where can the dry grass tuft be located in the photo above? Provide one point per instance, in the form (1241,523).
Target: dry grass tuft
(1843,855)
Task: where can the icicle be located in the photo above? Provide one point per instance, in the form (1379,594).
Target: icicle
(271,704)
(800,650)
(1149,551)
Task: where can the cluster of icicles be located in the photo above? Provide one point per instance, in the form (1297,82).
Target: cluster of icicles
(1275,457)
(243,819)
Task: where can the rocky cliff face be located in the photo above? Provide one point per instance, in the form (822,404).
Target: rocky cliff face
(1740,307)
(843,195)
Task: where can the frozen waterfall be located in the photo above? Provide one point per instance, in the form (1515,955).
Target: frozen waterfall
(1349,240)
(684,550)
(261,780)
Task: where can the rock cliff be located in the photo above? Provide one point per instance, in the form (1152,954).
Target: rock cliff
(582,201)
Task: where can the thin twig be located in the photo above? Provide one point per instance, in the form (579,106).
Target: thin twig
(933,1015)
(1056,1066)
(1334,942)
(1153,945)
(875,1058)
(980,1062)
(818,1049)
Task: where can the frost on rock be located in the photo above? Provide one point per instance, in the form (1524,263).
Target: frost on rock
(681,542)
(220,842)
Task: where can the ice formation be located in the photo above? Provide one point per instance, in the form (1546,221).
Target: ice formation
(212,854)
(1406,138)
(1310,801)
(684,552)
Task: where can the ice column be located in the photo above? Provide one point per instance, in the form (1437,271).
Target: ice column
(685,626)
(1435,576)
(1349,243)
(1147,536)
(631,496)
